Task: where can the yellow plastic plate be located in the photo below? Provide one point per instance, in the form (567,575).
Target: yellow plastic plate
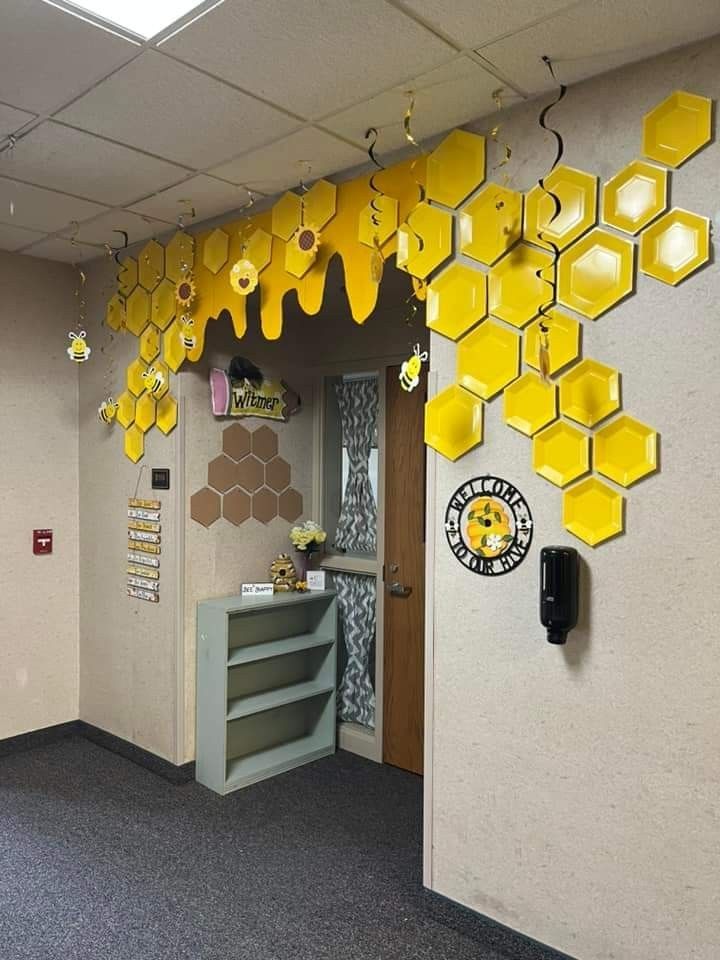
(577,193)
(561,453)
(592,511)
(453,422)
(589,392)
(635,196)
(625,450)
(596,272)
(677,128)
(675,246)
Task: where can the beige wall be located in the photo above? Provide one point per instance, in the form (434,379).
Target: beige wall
(39,461)
(575,789)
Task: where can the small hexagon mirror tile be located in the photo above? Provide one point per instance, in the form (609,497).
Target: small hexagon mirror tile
(250,474)
(277,474)
(675,246)
(215,250)
(166,414)
(179,256)
(145,411)
(592,511)
(515,291)
(577,194)
(453,422)
(456,300)
(677,128)
(434,227)
(491,223)
(563,338)
(561,453)
(222,473)
(530,403)
(264,505)
(236,506)
(151,265)
(635,196)
(488,358)
(163,304)
(290,505)
(205,506)
(589,392)
(264,443)
(236,441)
(625,450)
(137,311)
(455,168)
(596,273)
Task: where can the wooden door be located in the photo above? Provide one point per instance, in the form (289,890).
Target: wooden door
(404,574)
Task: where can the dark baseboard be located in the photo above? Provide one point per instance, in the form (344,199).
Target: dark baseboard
(78,728)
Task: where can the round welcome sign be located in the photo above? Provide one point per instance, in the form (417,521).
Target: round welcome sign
(489,526)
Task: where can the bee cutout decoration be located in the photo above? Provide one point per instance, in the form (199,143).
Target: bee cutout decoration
(78,350)
(187,336)
(154,380)
(107,410)
(409,375)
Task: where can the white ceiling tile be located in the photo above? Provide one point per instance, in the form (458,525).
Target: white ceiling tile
(173,111)
(313,57)
(48,56)
(40,209)
(11,119)
(470,22)
(597,36)
(445,97)
(281,165)
(68,160)
(14,238)
(101,229)
(58,248)
(209,198)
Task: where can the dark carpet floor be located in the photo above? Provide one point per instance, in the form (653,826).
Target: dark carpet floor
(102,860)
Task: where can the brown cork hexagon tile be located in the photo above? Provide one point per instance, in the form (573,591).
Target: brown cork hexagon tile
(236,506)
(222,473)
(277,474)
(250,474)
(265,443)
(205,506)
(236,441)
(265,505)
(291,505)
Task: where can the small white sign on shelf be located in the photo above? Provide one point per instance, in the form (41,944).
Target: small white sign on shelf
(316,579)
(257,590)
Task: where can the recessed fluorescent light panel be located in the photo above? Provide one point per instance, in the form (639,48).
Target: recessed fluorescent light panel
(143,18)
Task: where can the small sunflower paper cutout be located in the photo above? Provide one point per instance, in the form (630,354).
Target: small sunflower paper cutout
(243,277)
(185,291)
(306,238)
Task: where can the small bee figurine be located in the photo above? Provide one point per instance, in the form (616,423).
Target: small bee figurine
(154,380)
(187,337)
(409,376)
(78,350)
(107,410)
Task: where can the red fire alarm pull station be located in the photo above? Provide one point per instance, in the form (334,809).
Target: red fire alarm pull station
(42,541)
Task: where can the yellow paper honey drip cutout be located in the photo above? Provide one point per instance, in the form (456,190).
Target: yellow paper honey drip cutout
(488,302)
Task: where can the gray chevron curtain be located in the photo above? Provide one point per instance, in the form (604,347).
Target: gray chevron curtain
(357,530)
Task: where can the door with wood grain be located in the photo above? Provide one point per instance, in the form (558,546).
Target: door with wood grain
(404,576)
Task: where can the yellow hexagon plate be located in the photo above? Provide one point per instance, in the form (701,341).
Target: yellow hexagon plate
(456,300)
(215,250)
(596,273)
(126,409)
(149,343)
(173,349)
(577,193)
(675,246)
(625,450)
(297,261)
(286,215)
(455,168)
(151,265)
(677,128)
(589,392)
(137,311)
(128,276)
(491,223)
(453,422)
(258,249)
(387,217)
(488,358)
(592,511)
(179,256)
(164,304)
(115,313)
(166,413)
(515,291)
(434,228)
(563,340)
(145,412)
(135,382)
(319,203)
(561,453)
(530,403)
(635,196)
(134,443)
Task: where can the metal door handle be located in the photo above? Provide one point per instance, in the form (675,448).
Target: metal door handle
(398,589)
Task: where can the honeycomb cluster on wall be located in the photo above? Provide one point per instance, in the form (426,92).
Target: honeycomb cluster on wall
(248,479)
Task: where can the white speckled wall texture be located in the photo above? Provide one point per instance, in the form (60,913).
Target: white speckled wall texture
(576,788)
(38,426)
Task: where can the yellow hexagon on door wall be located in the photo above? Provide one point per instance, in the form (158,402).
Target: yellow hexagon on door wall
(589,392)
(215,250)
(577,194)
(151,265)
(596,273)
(164,304)
(530,403)
(137,311)
(455,168)
(592,511)
(635,196)
(179,256)
(456,300)
(515,291)
(563,341)
(675,246)
(387,217)
(453,422)
(625,450)
(491,223)
(488,358)
(434,227)
(677,128)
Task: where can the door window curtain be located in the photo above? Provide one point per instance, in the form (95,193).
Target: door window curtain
(357,531)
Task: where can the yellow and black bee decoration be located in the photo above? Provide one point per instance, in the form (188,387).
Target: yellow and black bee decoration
(154,380)
(187,336)
(78,350)
(107,411)
(409,375)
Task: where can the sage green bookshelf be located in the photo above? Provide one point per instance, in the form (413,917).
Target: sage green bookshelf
(265,686)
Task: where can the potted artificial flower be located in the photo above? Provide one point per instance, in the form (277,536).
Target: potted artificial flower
(307,539)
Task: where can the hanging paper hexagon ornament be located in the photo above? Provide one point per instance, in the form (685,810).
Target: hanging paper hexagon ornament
(455,168)
(151,265)
(179,256)
(215,250)
(243,277)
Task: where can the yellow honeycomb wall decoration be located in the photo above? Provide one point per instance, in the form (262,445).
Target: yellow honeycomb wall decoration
(489,302)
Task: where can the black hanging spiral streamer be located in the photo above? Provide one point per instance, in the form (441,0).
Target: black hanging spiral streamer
(376,210)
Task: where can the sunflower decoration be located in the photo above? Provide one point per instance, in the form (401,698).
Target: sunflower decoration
(243,277)
(306,238)
(488,527)
(185,291)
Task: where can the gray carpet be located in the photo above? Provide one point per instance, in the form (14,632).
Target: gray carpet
(102,860)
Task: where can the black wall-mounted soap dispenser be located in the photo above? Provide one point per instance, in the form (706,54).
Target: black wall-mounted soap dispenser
(559,582)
